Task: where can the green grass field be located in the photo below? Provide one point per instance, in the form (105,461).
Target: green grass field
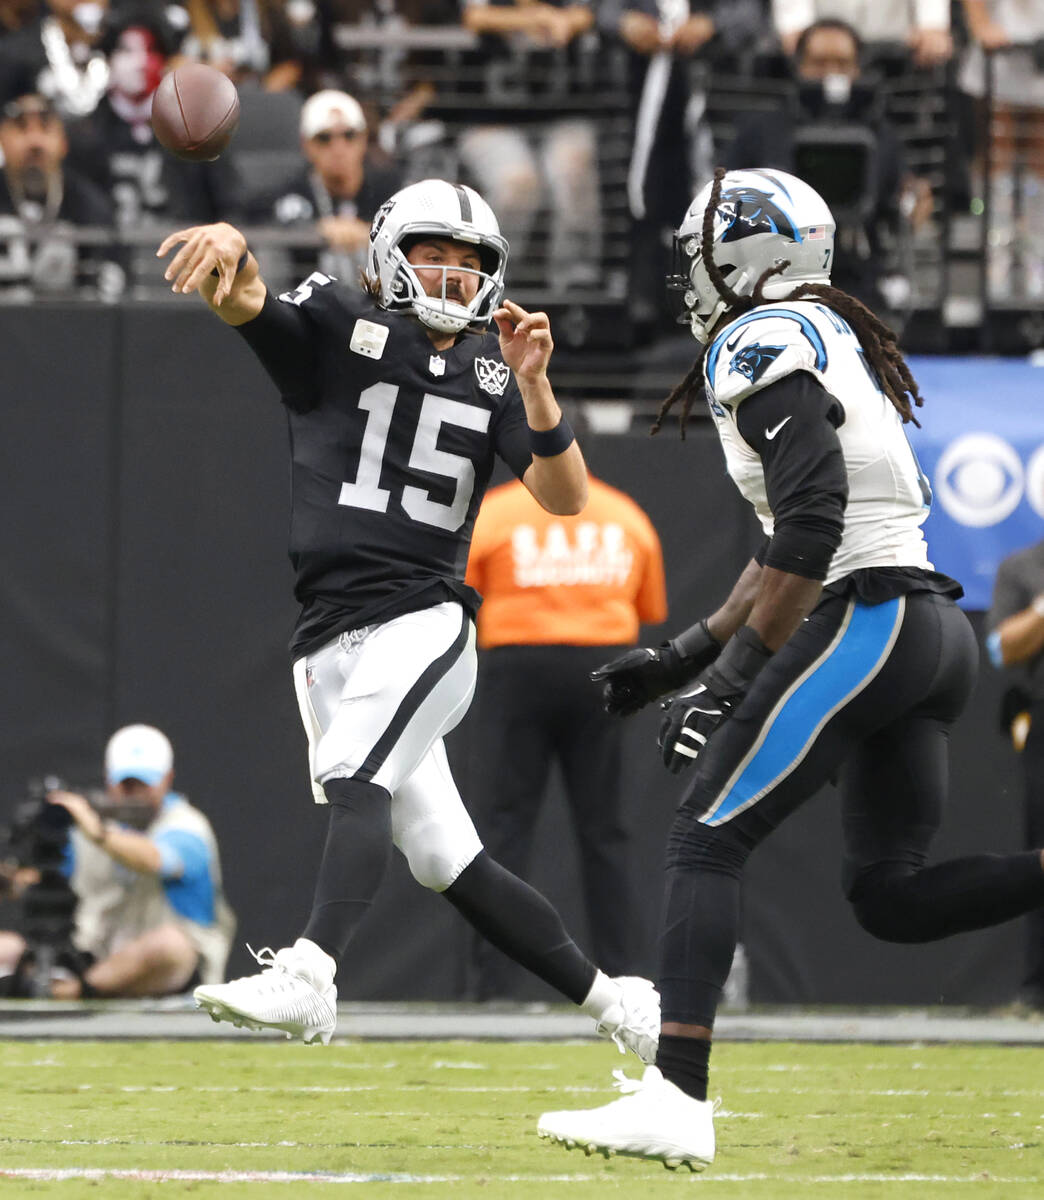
(458,1119)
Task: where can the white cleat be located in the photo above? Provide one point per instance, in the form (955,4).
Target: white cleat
(632,1018)
(295,993)
(653,1119)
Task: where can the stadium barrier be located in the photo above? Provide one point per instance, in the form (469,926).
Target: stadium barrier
(143,471)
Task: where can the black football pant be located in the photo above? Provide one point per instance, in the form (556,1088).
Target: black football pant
(536,706)
(1033,779)
(866,694)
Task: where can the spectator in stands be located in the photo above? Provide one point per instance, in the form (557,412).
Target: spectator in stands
(560,596)
(1015,640)
(336,192)
(16,15)
(417,128)
(1013,33)
(42,202)
(672,146)
(524,157)
(116,145)
(836,137)
(58,52)
(250,40)
(151,916)
(922,25)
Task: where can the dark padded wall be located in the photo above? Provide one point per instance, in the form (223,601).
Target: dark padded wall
(145,492)
(57,432)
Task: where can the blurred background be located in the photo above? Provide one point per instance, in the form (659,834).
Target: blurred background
(143,467)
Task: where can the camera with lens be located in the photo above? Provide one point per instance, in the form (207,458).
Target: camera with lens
(39,831)
(37,840)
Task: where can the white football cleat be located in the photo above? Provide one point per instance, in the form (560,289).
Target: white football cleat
(654,1119)
(631,1018)
(295,993)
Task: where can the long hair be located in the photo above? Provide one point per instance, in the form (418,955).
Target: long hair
(883,355)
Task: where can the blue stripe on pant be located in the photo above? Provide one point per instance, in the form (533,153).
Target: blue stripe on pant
(852,660)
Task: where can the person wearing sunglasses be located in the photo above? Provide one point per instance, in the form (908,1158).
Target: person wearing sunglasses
(337,190)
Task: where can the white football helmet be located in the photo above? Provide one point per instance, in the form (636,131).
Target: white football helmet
(763,216)
(436,208)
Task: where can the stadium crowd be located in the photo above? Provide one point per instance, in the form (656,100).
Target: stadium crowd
(587,126)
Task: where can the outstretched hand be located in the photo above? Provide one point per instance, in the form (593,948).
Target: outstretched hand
(635,677)
(204,248)
(525,340)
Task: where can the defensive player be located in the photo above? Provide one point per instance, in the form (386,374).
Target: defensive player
(839,649)
(398,398)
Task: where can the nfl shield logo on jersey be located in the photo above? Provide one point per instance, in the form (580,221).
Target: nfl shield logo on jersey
(437,365)
(492,375)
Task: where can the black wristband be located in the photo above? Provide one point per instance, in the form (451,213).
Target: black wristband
(546,443)
(697,644)
(239,265)
(738,664)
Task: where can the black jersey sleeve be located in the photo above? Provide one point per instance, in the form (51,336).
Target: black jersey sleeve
(511,430)
(284,339)
(792,425)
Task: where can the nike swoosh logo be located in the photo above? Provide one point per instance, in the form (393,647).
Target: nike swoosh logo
(734,342)
(771,433)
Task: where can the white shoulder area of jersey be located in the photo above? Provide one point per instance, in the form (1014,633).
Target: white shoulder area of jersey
(323,295)
(765,345)
(316,284)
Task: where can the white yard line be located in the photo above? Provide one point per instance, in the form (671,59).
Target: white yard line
(429,1087)
(52,1174)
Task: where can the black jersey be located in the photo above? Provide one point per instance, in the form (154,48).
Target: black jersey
(393,444)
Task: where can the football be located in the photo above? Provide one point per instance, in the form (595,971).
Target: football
(195,111)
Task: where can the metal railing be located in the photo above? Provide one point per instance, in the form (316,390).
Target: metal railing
(948,260)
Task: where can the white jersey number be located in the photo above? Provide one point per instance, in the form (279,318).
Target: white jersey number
(304,290)
(365,492)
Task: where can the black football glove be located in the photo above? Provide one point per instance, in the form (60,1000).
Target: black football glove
(645,674)
(690,718)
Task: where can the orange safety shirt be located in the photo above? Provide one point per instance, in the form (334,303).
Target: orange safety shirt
(588,580)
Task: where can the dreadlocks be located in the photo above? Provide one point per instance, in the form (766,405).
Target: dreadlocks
(883,355)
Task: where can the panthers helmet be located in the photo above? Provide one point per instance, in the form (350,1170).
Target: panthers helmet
(435,208)
(763,217)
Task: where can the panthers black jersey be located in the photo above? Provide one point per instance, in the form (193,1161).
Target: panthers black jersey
(393,444)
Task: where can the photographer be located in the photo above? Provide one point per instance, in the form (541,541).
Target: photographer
(835,136)
(151,918)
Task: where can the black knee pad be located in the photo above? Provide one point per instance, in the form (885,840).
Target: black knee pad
(692,845)
(881,906)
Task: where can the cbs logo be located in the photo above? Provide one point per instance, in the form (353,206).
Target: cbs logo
(980,479)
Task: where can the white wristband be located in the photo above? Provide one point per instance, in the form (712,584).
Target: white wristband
(1037,605)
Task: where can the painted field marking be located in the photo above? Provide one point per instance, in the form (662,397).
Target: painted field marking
(53,1174)
(428,1088)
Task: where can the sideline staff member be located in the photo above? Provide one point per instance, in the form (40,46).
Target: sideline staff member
(560,595)
(1016,641)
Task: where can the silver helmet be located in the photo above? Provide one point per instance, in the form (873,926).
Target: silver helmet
(763,217)
(436,208)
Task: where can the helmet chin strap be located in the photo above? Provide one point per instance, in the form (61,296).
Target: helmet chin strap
(441,322)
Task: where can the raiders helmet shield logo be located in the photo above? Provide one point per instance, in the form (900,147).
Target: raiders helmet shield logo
(493,376)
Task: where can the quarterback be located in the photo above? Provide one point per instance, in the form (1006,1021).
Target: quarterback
(840,652)
(398,398)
